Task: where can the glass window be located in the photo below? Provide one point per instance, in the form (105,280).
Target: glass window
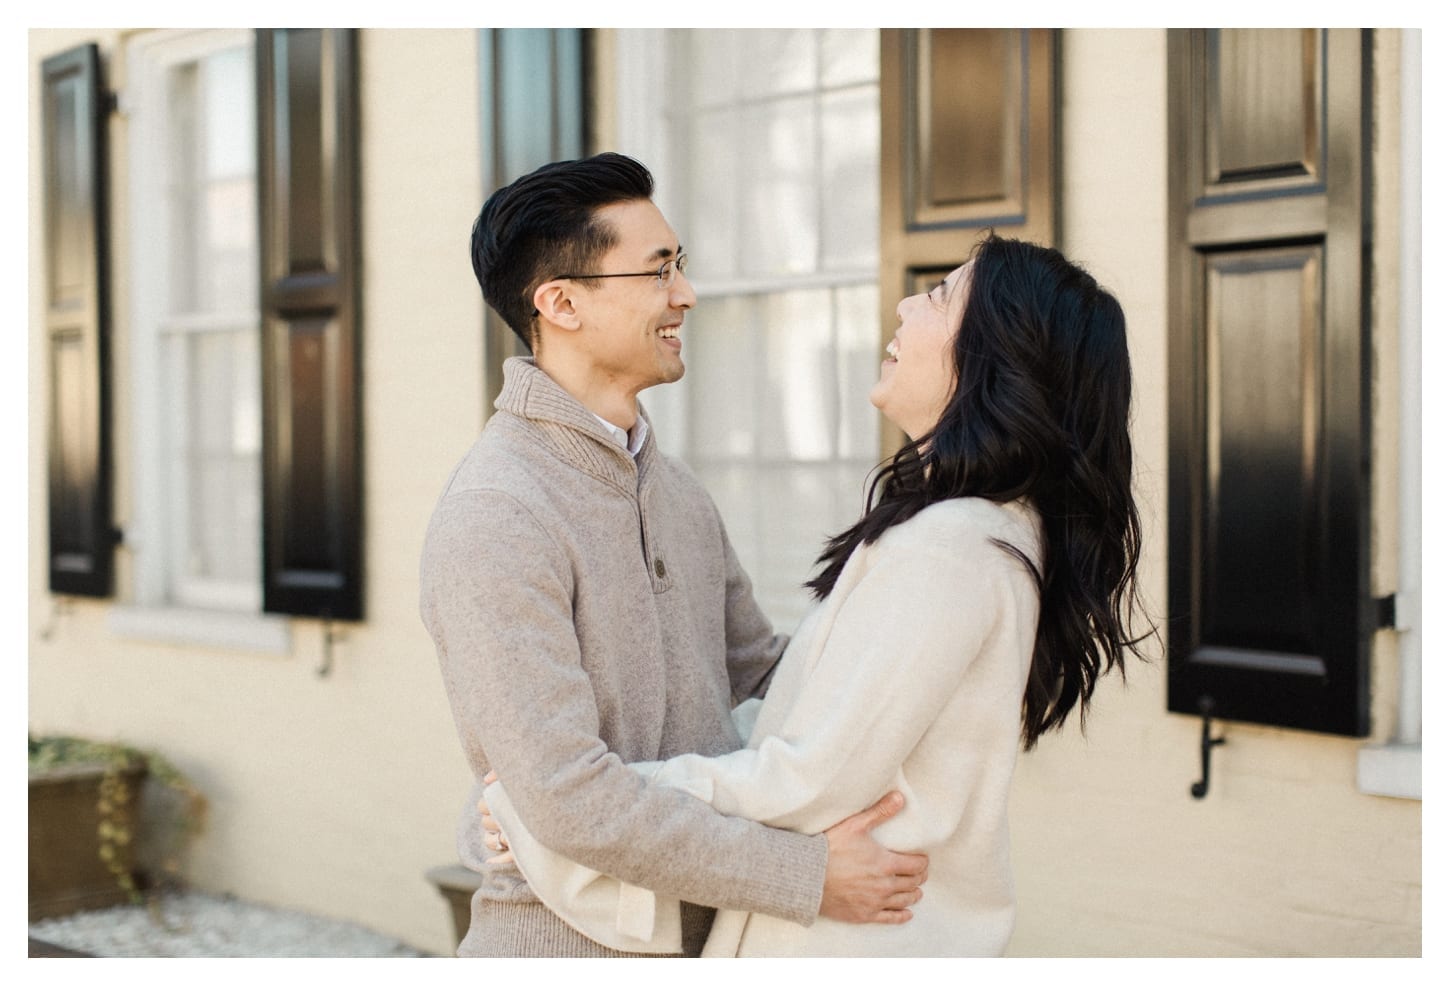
(198,515)
(768,165)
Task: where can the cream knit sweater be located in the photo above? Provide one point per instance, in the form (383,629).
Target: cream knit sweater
(909,676)
(588,611)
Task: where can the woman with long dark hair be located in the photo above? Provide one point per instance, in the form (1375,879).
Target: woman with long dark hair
(988,586)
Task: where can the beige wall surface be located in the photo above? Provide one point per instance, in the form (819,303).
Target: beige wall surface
(330,794)
(1285,857)
(335,794)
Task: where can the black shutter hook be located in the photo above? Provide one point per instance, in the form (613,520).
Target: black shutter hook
(1206,745)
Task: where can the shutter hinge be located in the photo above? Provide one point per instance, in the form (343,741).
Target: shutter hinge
(1384,613)
(110,102)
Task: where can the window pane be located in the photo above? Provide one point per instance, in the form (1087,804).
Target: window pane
(778,189)
(713,232)
(849,56)
(179,192)
(858,367)
(734,489)
(229,203)
(722,343)
(211,188)
(220,457)
(709,69)
(799,400)
(807,504)
(199,445)
(850,179)
(775,63)
(231,144)
(780,132)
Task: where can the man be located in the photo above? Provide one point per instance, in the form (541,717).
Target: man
(587,608)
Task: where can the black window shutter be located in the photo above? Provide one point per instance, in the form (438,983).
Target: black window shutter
(77,323)
(311,389)
(1269,491)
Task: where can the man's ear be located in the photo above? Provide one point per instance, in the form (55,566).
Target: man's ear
(555,304)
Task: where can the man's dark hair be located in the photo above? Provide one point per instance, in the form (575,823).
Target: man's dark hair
(546,223)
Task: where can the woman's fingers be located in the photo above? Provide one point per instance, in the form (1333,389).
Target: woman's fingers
(493,837)
(490,824)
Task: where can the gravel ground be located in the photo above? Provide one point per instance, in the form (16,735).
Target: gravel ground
(196,925)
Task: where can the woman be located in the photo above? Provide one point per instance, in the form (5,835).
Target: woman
(989,583)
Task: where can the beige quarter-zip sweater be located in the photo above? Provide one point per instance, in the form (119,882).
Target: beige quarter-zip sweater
(588,612)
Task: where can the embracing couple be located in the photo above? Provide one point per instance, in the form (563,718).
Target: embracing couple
(658,772)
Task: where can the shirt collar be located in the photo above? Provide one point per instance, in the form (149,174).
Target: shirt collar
(632,440)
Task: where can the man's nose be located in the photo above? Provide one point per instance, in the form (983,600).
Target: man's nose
(682,292)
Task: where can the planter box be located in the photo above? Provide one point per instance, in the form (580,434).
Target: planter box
(66,872)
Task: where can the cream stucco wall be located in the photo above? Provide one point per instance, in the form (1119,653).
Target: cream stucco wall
(333,794)
(336,794)
(1285,856)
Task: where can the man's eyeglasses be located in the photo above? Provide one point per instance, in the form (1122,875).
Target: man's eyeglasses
(665,275)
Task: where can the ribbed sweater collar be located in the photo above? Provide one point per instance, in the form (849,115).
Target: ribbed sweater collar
(569,428)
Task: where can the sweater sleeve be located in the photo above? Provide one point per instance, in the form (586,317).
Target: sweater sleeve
(900,644)
(497,598)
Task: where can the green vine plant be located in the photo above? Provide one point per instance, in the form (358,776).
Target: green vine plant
(115,833)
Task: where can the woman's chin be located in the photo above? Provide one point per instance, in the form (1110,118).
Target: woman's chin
(877,395)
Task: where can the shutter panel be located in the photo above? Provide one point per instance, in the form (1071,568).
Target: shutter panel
(1270,616)
(311,389)
(968,142)
(532,111)
(77,323)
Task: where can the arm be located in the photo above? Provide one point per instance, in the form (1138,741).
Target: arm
(631,919)
(497,598)
(900,644)
(876,685)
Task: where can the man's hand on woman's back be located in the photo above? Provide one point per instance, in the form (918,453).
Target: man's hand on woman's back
(865,882)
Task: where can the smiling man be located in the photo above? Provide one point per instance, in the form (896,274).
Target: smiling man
(586,606)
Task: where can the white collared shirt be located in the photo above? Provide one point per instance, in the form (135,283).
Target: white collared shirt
(632,440)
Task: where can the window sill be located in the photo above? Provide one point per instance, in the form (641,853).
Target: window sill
(1392,770)
(254,632)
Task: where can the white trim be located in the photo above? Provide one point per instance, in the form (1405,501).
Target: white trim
(253,632)
(1392,770)
(1407,597)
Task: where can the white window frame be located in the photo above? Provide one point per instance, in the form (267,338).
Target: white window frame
(1393,768)
(206,613)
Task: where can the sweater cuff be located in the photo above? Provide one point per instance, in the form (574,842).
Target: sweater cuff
(799,876)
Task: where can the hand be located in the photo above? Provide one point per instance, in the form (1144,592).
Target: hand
(866,883)
(493,838)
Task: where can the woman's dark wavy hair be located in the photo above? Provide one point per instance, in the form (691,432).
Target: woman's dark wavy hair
(1039,412)
(547,222)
